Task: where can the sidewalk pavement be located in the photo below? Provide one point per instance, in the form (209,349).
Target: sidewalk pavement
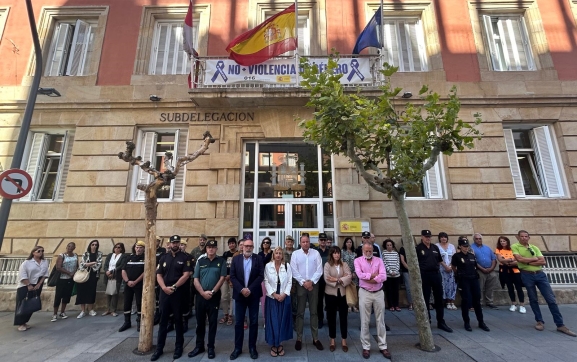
(512,338)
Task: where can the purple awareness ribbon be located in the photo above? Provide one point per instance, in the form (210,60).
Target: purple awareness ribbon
(219,71)
(355,70)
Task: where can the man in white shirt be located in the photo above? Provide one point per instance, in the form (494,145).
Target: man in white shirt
(307,269)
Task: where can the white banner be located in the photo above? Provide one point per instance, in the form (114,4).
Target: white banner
(281,71)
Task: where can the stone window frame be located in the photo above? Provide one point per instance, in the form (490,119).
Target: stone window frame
(150,15)
(4,11)
(573,6)
(425,11)
(49,17)
(257,10)
(528,9)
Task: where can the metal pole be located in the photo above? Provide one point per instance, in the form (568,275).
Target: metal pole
(26,119)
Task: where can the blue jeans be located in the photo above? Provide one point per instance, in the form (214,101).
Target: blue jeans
(539,280)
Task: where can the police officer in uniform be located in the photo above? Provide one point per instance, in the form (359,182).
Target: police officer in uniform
(132,274)
(465,267)
(160,251)
(429,258)
(171,273)
(209,275)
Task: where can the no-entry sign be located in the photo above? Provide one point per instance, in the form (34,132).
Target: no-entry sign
(15,183)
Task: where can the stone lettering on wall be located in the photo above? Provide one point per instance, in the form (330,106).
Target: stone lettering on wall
(207,117)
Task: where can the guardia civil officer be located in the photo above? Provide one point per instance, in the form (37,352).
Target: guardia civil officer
(464,265)
(132,274)
(171,273)
(430,258)
(160,251)
(209,275)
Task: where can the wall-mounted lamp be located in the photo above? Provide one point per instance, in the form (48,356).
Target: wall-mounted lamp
(50,92)
(407,95)
(155,98)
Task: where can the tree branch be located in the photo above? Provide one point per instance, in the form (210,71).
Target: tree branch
(371,179)
(181,161)
(433,159)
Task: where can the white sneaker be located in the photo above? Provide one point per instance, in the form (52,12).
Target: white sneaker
(92,313)
(81,315)
(54,318)
(522,310)
(513,308)
(63,315)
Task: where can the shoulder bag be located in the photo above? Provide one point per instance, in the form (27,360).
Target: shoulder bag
(81,276)
(29,304)
(54,274)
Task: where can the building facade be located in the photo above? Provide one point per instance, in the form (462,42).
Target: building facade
(122,76)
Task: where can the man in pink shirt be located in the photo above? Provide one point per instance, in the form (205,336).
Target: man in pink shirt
(371,273)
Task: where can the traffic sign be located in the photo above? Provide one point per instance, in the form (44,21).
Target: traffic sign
(15,183)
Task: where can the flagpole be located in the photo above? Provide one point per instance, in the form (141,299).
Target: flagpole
(297,38)
(382,30)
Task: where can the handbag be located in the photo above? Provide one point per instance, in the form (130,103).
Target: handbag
(54,276)
(81,276)
(351,295)
(111,287)
(29,305)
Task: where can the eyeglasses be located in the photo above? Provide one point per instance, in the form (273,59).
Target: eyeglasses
(248,246)
(39,251)
(93,244)
(266,242)
(531,250)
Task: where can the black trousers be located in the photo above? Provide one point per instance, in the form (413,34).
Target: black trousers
(433,280)
(513,281)
(206,308)
(21,294)
(185,298)
(130,294)
(63,291)
(336,304)
(321,299)
(170,304)
(392,291)
(470,296)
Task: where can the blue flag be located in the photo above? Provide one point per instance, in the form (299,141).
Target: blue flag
(368,37)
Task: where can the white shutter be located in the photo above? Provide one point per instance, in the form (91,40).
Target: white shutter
(148,150)
(546,162)
(173,44)
(159,50)
(491,41)
(59,50)
(64,165)
(514,163)
(35,163)
(177,187)
(433,185)
(527,44)
(422,51)
(391,46)
(79,48)
(304,35)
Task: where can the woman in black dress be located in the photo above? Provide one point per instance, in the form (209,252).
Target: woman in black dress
(86,292)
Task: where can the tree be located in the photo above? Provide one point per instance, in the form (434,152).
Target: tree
(391,149)
(159,179)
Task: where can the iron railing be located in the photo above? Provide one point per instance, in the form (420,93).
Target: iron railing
(9,270)
(561,269)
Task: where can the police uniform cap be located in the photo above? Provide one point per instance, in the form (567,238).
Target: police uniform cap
(288,237)
(140,243)
(175,239)
(323,236)
(182,242)
(211,243)
(366,234)
(463,241)
(203,236)
(426,233)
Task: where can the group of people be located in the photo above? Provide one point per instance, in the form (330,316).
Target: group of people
(282,281)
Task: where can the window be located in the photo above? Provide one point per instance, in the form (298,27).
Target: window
(47,163)
(431,186)
(404,44)
(167,55)
(3,17)
(71,48)
(508,42)
(152,145)
(533,162)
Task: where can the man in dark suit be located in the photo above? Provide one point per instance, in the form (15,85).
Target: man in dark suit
(246,275)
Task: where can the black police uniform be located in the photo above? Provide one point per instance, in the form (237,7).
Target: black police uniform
(186,296)
(468,285)
(133,268)
(429,259)
(160,251)
(172,268)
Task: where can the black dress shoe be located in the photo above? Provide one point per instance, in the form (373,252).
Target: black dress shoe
(387,328)
(468,327)
(298,345)
(234,355)
(484,327)
(253,353)
(156,355)
(318,344)
(177,353)
(444,327)
(196,351)
(492,306)
(211,353)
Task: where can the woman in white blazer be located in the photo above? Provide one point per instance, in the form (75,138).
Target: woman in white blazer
(337,276)
(278,310)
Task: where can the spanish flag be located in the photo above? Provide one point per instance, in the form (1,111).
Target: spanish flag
(277,35)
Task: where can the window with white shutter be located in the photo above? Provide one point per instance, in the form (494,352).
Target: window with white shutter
(47,160)
(70,49)
(167,54)
(533,162)
(431,187)
(152,146)
(509,46)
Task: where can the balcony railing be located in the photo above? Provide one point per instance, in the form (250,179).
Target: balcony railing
(561,270)
(281,72)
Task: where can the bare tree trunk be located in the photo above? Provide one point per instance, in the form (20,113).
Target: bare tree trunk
(421,313)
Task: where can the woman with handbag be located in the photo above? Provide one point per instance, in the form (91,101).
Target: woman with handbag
(33,271)
(66,265)
(113,270)
(86,292)
(337,277)
(348,256)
